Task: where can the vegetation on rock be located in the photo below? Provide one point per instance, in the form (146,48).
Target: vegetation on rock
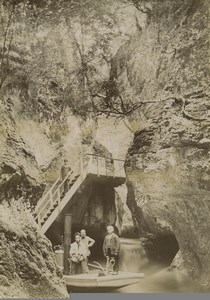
(65,63)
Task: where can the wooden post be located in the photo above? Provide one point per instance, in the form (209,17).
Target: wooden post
(59,199)
(114,165)
(105,167)
(39,220)
(67,242)
(90,164)
(123,169)
(97,167)
(81,166)
(51,198)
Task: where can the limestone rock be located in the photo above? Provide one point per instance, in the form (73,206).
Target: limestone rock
(168,162)
(27,263)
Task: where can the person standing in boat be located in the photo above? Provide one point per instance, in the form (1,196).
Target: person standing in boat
(87,241)
(65,169)
(78,256)
(111,248)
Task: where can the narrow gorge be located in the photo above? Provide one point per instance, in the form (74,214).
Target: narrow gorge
(126,79)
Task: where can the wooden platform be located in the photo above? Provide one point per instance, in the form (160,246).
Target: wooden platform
(95,167)
(94,281)
(113,181)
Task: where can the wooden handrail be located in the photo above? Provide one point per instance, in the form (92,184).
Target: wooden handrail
(111,158)
(47,194)
(50,190)
(56,191)
(56,182)
(58,188)
(48,200)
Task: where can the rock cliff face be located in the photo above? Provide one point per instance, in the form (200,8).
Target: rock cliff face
(44,119)
(27,263)
(157,53)
(166,68)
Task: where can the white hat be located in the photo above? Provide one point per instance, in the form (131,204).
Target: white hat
(110,228)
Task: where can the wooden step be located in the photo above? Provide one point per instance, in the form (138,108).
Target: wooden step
(51,216)
(44,219)
(47,215)
(51,209)
(75,178)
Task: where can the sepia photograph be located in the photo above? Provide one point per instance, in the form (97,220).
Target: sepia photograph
(104,147)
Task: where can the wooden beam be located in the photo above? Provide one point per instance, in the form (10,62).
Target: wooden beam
(63,203)
(67,242)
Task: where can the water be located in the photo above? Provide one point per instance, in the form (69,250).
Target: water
(132,256)
(158,278)
(162,281)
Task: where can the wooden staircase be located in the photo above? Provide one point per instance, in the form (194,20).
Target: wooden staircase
(50,206)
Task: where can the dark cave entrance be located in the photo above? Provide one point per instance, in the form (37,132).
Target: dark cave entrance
(162,249)
(93,208)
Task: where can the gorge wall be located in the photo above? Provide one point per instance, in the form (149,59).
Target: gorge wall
(166,67)
(44,119)
(55,66)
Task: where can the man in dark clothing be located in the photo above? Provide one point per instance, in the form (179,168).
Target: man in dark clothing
(65,169)
(111,248)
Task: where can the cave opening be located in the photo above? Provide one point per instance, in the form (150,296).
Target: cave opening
(162,249)
(93,208)
(97,198)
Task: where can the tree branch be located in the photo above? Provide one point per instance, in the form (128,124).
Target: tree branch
(108,61)
(98,95)
(4,50)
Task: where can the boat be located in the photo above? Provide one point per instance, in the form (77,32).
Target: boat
(100,281)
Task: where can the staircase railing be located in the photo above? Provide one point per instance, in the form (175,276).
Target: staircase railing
(52,198)
(104,165)
(88,164)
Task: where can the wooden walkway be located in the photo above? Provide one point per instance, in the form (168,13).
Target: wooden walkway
(104,168)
